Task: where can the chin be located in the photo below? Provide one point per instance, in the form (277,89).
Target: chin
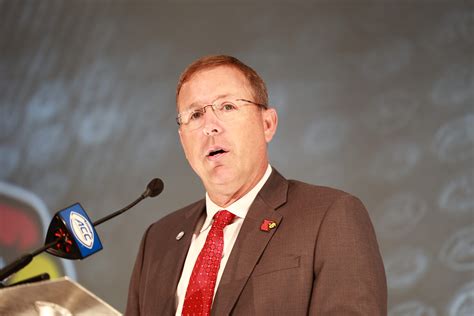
(221,177)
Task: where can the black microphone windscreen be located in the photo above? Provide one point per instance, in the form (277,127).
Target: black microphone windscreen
(155,187)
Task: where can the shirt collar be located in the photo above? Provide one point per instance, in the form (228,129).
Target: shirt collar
(240,207)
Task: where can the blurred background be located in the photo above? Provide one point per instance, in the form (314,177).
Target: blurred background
(374,97)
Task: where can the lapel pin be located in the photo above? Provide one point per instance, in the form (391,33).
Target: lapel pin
(180,235)
(267,225)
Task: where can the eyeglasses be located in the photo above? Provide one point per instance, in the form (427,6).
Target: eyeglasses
(225,111)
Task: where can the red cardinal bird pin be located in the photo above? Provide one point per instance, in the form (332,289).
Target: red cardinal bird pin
(267,225)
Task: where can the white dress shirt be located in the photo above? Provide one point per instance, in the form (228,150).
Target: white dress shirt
(239,208)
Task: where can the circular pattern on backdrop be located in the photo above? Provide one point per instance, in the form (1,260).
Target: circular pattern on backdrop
(395,161)
(454,87)
(390,112)
(457,251)
(454,141)
(405,267)
(47,102)
(99,125)
(325,135)
(47,146)
(455,26)
(462,304)
(457,196)
(412,308)
(401,213)
(382,62)
(96,81)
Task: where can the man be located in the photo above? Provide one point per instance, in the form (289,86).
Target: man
(258,244)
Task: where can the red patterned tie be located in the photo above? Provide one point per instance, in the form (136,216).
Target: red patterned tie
(200,291)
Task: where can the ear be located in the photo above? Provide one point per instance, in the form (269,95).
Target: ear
(270,123)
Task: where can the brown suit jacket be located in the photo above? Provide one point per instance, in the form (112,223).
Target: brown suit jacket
(321,259)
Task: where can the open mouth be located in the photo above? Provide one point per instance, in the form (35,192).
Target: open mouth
(216,152)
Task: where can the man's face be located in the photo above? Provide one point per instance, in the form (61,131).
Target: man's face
(241,143)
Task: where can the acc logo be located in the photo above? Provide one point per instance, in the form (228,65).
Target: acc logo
(82,229)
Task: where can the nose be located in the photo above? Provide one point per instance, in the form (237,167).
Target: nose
(212,125)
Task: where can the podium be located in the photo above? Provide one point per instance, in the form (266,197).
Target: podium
(59,297)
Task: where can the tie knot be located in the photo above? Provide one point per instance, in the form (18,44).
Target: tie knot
(223,218)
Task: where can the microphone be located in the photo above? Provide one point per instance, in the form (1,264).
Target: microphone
(153,188)
(72,236)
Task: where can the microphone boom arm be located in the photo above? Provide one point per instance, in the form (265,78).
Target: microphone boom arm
(126,208)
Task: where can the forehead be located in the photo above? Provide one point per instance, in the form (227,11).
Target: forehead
(205,86)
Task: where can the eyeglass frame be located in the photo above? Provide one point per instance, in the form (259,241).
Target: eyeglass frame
(203,109)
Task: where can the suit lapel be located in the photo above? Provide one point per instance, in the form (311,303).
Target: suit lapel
(176,256)
(250,243)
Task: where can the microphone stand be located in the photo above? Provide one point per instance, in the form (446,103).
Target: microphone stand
(33,279)
(24,260)
(154,188)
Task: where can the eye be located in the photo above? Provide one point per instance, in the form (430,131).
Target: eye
(195,115)
(228,107)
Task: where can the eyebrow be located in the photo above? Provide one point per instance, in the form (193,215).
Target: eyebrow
(195,105)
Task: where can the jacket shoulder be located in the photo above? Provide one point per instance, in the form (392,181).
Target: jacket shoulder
(178,215)
(298,189)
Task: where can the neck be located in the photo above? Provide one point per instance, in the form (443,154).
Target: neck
(224,200)
(225,195)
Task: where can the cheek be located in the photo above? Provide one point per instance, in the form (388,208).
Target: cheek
(186,144)
(252,140)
